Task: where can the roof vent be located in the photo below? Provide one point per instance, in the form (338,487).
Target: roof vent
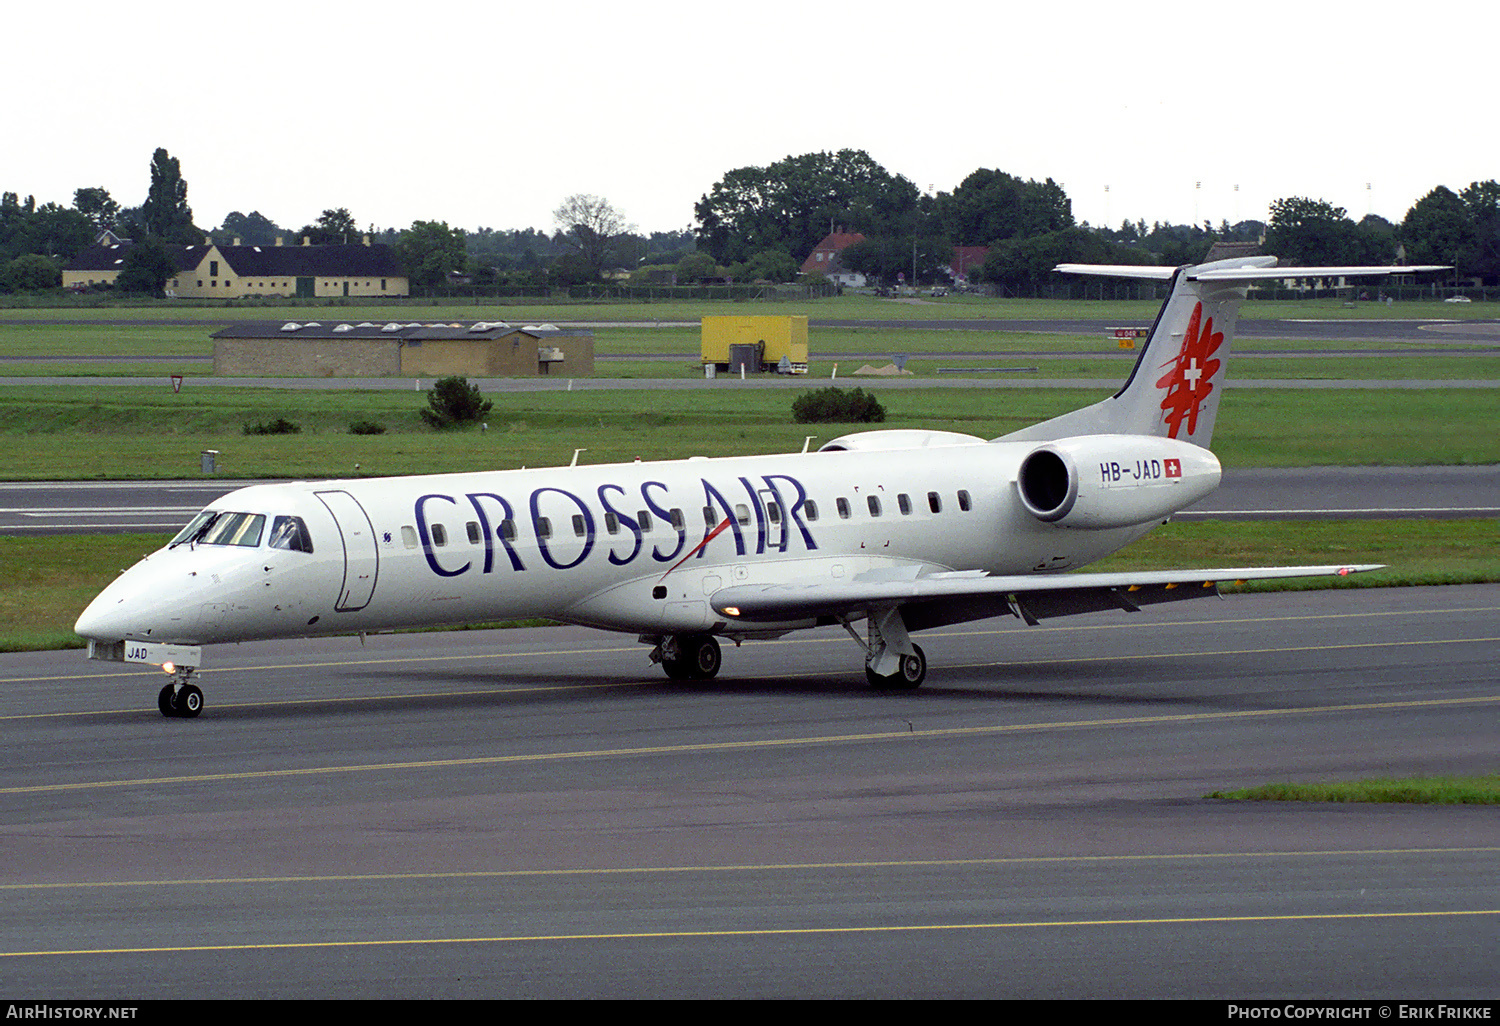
(393,326)
(344,327)
(290,326)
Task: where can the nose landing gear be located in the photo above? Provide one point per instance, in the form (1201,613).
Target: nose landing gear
(180,698)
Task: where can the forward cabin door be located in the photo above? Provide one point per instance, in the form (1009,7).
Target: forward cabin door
(775,520)
(361,557)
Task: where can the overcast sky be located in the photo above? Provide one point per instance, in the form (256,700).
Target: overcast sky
(489,115)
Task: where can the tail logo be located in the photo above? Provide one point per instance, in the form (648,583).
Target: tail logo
(1190,379)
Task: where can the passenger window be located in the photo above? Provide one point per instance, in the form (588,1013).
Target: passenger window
(472,527)
(508,529)
(810,509)
(290,533)
(439,534)
(934,502)
(773,512)
(873,502)
(742,512)
(677,518)
(709,520)
(963,501)
(409,536)
(903,503)
(843,506)
(543,527)
(578,525)
(611,523)
(644,518)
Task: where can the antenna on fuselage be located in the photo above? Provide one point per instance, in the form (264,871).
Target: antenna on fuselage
(575,457)
(807,442)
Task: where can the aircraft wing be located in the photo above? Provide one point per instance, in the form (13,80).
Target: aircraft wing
(935,599)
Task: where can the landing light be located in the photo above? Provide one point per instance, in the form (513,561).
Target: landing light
(169,667)
(731,610)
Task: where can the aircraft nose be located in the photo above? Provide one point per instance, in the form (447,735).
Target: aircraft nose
(141,602)
(104,619)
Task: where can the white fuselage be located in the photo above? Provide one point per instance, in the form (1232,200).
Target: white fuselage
(637,547)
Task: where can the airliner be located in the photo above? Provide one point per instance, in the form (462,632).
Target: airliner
(885,533)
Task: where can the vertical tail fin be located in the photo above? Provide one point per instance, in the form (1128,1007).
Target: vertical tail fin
(1174,389)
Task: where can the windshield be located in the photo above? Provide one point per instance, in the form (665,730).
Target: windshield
(219,528)
(194,526)
(234,529)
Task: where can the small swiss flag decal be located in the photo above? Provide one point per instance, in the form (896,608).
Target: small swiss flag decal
(1173,467)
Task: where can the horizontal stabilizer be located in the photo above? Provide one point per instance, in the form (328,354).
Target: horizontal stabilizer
(1118,270)
(1264,273)
(1248,269)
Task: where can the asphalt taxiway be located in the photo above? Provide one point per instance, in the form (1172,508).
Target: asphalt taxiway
(537,813)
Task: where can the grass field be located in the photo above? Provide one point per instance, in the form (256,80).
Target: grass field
(1483,790)
(79,432)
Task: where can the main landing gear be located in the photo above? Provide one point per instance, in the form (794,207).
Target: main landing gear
(688,656)
(910,672)
(892,661)
(180,698)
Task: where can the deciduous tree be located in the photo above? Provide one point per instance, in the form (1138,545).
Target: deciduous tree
(591,227)
(333,228)
(791,204)
(429,250)
(146,267)
(98,206)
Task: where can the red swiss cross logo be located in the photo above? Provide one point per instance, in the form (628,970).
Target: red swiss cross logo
(1190,379)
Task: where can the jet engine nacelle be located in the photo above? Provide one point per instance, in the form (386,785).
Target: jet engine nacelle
(1096,482)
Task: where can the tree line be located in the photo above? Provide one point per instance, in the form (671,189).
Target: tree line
(1028,225)
(760,223)
(36,242)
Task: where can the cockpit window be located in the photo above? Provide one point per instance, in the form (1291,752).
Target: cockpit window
(290,533)
(193,527)
(234,529)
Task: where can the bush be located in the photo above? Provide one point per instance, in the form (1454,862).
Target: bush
(453,403)
(834,405)
(366,427)
(279,426)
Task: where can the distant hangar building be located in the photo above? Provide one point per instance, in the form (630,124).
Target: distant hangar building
(486,349)
(235,272)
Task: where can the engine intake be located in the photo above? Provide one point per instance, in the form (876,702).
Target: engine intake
(1098,482)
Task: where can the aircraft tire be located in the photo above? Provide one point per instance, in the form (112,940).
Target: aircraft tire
(164,701)
(189,702)
(702,656)
(910,675)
